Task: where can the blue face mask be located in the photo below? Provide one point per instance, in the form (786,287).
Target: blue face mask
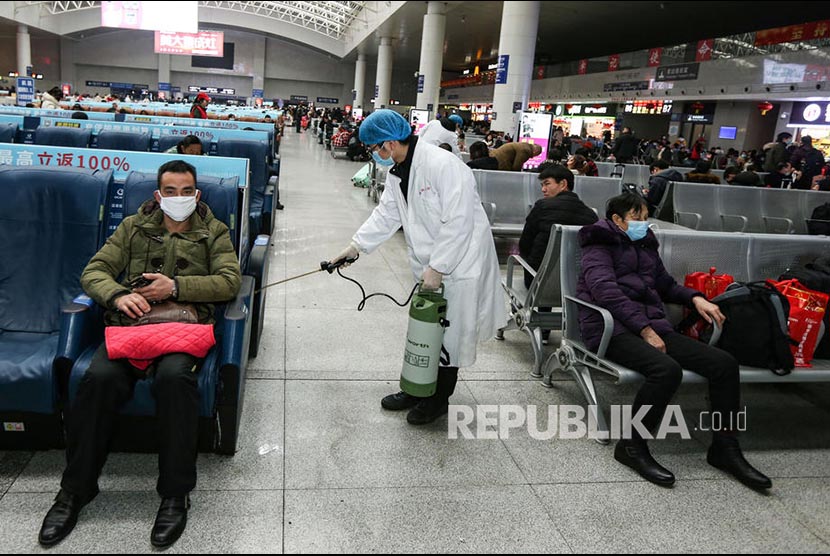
(637,230)
(382,161)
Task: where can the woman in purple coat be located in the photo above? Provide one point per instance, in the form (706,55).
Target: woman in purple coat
(622,272)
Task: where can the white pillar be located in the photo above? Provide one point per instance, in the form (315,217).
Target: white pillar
(259,64)
(383,80)
(24,49)
(432,56)
(519,27)
(359,81)
(164,69)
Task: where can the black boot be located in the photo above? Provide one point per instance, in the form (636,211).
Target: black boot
(635,454)
(399,401)
(430,409)
(61,518)
(170,521)
(725,454)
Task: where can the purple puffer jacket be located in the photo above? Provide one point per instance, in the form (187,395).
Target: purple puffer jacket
(627,278)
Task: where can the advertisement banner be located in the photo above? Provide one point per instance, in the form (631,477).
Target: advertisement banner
(655,55)
(614,62)
(704,50)
(535,128)
(204,43)
(418,118)
(501,72)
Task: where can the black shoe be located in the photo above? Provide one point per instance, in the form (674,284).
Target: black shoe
(635,454)
(279,206)
(60,519)
(170,521)
(427,411)
(399,401)
(725,454)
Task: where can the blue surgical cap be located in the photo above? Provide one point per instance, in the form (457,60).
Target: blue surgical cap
(457,119)
(384,125)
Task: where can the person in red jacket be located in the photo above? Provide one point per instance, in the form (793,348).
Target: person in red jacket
(199,108)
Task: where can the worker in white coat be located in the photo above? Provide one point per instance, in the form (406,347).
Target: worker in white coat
(432,195)
(441,131)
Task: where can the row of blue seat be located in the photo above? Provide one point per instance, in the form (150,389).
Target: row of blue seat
(53,219)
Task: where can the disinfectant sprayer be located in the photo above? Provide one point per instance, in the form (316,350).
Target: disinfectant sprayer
(424,336)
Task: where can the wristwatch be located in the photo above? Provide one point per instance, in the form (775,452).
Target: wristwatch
(175,293)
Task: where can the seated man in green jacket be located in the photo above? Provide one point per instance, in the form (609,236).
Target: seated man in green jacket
(185,254)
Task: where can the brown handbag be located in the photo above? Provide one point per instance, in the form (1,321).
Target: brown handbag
(169,311)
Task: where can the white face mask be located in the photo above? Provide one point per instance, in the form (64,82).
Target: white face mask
(178,208)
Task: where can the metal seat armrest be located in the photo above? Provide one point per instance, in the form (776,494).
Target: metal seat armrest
(768,220)
(511,265)
(607,322)
(697,218)
(744,222)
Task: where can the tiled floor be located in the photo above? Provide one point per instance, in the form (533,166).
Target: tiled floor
(350,477)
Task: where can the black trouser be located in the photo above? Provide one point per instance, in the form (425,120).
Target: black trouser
(664,372)
(105,388)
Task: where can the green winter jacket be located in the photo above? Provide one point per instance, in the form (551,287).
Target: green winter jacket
(202,261)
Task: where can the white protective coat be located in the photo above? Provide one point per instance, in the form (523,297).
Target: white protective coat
(435,134)
(447,229)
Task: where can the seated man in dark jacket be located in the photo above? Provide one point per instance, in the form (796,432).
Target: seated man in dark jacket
(560,205)
(661,175)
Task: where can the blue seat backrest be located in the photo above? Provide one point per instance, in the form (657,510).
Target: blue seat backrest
(167,141)
(50,222)
(257,154)
(63,137)
(124,141)
(7,132)
(220,194)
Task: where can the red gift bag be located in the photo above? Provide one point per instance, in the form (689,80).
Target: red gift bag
(807,308)
(711,285)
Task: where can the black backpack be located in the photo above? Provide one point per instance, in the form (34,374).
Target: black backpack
(816,276)
(819,223)
(755,331)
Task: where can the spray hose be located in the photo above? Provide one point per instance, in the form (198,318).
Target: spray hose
(330,268)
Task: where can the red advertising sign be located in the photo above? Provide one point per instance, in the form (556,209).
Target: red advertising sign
(540,72)
(801,32)
(583,67)
(205,43)
(614,62)
(655,55)
(704,50)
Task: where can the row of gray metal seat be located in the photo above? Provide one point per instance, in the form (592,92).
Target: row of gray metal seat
(731,208)
(507,197)
(747,257)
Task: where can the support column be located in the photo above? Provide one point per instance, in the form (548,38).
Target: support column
(517,47)
(164,75)
(383,79)
(359,81)
(432,56)
(24,49)
(68,65)
(259,64)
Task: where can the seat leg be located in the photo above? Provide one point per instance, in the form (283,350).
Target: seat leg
(511,325)
(582,376)
(538,353)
